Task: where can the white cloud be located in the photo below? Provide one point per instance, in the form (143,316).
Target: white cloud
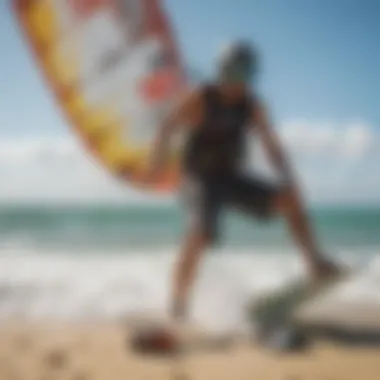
(46,170)
(353,140)
(335,163)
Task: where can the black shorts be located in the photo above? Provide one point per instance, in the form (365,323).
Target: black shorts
(206,198)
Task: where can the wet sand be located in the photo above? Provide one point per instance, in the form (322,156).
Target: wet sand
(31,351)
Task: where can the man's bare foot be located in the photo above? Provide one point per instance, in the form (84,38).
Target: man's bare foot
(322,268)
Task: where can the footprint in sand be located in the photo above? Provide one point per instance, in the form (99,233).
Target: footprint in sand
(56,359)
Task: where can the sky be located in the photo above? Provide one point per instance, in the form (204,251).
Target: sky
(319,76)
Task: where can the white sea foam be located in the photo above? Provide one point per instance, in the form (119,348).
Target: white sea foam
(76,286)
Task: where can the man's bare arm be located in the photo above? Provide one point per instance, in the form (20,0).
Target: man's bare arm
(181,116)
(319,265)
(272,143)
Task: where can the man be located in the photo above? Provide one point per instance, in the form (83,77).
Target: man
(217,117)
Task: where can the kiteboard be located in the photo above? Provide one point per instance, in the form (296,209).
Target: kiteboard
(272,315)
(115,70)
(288,318)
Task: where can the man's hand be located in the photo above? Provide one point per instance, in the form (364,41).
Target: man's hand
(150,174)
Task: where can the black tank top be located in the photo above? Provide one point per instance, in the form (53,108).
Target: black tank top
(217,146)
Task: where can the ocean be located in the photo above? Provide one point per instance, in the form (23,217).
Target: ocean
(102,262)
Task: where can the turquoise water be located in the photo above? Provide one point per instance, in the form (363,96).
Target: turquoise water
(119,227)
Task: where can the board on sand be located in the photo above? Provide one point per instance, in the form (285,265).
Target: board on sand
(286,319)
(278,306)
(273,315)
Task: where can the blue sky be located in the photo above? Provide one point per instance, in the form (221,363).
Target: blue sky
(320,63)
(320,58)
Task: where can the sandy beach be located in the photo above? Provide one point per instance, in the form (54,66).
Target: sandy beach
(99,352)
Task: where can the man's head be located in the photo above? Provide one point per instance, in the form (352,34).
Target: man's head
(236,65)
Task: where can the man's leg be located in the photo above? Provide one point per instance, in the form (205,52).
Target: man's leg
(194,245)
(289,204)
(264,199)
(203,203)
